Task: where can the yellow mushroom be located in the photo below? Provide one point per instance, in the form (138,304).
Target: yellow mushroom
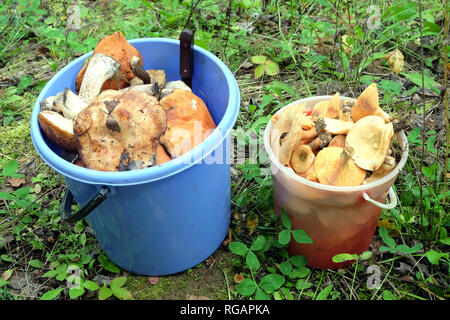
(337,126)
(329,108)
(368,104)
(334,166)
(338,141)
(387,166)
(370,138)
(302,158)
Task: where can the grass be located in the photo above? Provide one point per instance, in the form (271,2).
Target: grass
(304,40)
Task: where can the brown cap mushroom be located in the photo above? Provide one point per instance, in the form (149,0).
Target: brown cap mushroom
(334,166)
(368,104)
(116,46)
(161,155)
(119,131)
(302,158)
(370,138)
(58,129)
(188,122)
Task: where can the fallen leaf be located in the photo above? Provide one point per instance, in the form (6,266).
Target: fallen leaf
(238,278)
(153,280)
(16,182)
(45,52)
(7,274)
(403,268)
(251,223)
(407,278)
(395,60)
(37,188)
(194,297)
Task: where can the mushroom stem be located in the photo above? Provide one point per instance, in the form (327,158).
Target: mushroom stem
(151,89)
(135,64)
(321,141)
(69,104)
(346,110)
(100,68)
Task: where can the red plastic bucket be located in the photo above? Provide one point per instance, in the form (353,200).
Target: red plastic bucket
(337,219)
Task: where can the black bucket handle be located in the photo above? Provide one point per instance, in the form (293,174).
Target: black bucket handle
(66,205)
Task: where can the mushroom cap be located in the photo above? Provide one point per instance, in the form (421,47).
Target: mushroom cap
(310,174)
(370,139)
(395,60)
(119,131)
(337,126)
(327,109)
(338,141)
(302,158)
(387,166)
(330,165)
(188,122)
(368,104)
(58,129)
(116,46)
(161,155)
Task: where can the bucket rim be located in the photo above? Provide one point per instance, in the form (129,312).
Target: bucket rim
(291,174)
(154,173)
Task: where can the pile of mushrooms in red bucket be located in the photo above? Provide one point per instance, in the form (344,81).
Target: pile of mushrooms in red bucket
(340,143)
(123,117)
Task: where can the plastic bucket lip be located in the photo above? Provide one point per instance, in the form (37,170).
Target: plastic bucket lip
(291,174)
(134,177)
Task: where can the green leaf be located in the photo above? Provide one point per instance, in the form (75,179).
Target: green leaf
(52,294)
(287,293)
(300,236)
(261,295)
(259,71)
(246,287)
(108,264)
(122,293)
(385,236)
(285,220)
(238,248)
(387,249)
(252,260)
(414,137)
(90,285)
(284,237)
(6,196)
(50,274)
(36,263)
(387,295)
(434,256)
(104,293)
(22,192)
(416,78)
(272,68)
(117,283)
(271,282)
(430,171)
(302,284)
(298,260)
(259,59)
(323,295)
(10,169)
(300,272)
(258,244)
(341,257)
(76,292)
(365,255)
(286,267)
(24,83)
(405,249)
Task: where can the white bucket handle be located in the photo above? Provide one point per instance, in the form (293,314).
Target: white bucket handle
(391,205)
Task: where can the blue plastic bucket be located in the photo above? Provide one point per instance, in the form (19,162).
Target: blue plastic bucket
(163,219)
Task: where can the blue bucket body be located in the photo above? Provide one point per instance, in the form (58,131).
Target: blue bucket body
(163,219)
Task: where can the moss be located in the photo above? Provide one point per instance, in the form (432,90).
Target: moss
(202,280)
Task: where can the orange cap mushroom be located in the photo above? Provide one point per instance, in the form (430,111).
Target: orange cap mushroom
(302,158)
(338,141)
(337,126)
(327,109)
(368,104)
(370,139)
(387,166)
(334,166)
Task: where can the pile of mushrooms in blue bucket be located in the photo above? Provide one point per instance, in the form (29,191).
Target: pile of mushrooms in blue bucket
(123,117)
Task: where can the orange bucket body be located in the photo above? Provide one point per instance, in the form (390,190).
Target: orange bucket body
(337,219)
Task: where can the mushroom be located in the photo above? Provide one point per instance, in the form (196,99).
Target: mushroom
(327,109)
(310,174)
(337,126)
(338,141)
(58,129)
(368,104)
(116,46)
(119,131)
(346,109)
(136,67)
(171,85)
(100,68)
(47,103)
(387,166)
(68,103)
(334,166)
(370,138)
(161,155)
(188,122)
(158,76)
(302,158)
(151,89)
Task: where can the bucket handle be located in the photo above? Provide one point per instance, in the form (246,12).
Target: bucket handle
(66,211)
(390,205)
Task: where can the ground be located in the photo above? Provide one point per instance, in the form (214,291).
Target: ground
(278,53)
